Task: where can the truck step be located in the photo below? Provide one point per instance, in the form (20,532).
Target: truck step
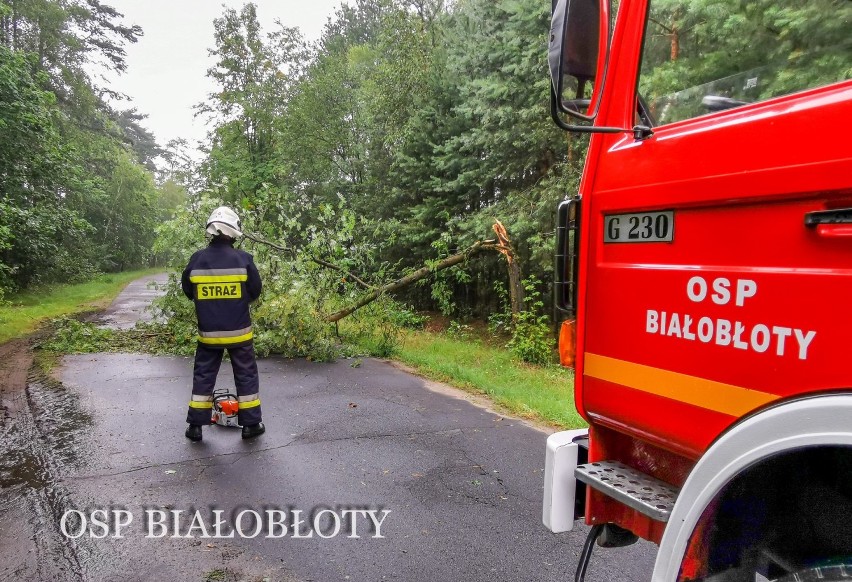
(647,495)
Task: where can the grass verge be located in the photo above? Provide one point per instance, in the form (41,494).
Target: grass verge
(26,311)
(544,394)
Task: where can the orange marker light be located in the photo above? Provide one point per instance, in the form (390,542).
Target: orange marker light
(568,343)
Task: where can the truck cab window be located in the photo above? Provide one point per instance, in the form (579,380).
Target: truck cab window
(701,57)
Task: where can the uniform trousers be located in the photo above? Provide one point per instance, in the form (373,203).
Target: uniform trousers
(207,362)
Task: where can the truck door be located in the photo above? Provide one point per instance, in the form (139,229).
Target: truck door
(719,247)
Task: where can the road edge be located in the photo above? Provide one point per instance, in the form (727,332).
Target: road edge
(478,400)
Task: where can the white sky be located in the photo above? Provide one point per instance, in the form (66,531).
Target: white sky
(166,68)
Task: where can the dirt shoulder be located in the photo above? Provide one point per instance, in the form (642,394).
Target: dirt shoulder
(16,357)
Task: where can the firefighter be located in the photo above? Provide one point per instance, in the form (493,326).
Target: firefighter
(222,281)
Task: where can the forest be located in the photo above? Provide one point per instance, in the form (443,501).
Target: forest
(77,188)
(389,146)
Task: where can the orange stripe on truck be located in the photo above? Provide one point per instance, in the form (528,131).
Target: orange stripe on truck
(701,392)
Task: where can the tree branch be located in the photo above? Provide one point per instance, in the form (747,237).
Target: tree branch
(420,273)
(317,260)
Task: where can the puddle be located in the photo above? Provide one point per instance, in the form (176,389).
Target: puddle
(44,436)
(39,442)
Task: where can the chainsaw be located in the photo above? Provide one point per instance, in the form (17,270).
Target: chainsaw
(225,407)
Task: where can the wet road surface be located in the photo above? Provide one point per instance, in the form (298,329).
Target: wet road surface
(130,306)
(463,484)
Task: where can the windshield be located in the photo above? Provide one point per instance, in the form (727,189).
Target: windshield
(702,56)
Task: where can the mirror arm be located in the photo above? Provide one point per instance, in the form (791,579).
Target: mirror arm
(642,132)
(554,113)
(572,106)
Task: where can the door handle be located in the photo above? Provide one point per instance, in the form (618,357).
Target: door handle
(831,223)
(834,230)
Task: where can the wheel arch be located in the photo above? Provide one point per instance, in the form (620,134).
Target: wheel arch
(816,420)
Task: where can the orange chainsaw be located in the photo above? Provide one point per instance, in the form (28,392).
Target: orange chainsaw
(225,407)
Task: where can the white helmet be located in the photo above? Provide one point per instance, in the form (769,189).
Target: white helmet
(225,221)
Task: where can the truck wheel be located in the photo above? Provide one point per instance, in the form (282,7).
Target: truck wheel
(821,574)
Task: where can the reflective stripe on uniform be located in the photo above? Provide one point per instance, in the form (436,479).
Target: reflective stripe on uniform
(225,337)
(250,403)
(215,341)
(215,334)
(219,279)
(196,404)
(235,275)
(215,272)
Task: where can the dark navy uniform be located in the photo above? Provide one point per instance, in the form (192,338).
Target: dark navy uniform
(222,281)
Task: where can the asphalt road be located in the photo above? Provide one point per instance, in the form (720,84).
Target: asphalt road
(462,484)
(130,306)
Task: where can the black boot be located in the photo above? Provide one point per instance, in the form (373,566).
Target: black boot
(193,432)
(254,430)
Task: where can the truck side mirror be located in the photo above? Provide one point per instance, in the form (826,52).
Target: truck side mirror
(574,34)
(576,69)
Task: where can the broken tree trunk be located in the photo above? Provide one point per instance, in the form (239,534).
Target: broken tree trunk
(516,289)
(420,273)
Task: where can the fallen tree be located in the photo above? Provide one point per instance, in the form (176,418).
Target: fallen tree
(501,244)
(465,255)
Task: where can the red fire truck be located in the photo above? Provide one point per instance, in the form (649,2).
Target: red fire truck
(705,273)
